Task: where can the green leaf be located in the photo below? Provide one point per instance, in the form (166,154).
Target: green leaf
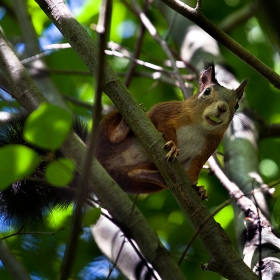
(16,163)
(47,127)
(60,172)
(91,217)
(276,211)
(225,216)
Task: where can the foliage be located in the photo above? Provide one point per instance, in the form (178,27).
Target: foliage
(44,122)
(41,254)
(22,162)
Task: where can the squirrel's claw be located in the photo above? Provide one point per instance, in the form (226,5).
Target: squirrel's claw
(174,151)
(201,191)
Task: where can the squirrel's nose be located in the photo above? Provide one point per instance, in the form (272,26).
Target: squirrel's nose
(222,107)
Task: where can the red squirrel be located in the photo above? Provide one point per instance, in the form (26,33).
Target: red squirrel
(192,129)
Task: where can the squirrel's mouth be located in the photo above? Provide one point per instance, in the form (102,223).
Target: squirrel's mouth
(214,120)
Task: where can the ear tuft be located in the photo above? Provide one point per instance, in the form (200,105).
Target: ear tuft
(240,90)
(208,64)
(207,76)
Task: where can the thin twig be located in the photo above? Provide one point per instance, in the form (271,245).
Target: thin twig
(170,27)
(259,228)
(78,102)
(64,71)
(198,5)
(123,242)
(139,62)
(102,29)
(137,51)
(274,184)
(116,260)
(143,260)
(245,204)
(217,210)
(158,76)
(152,30)
(32,232)
(123,53)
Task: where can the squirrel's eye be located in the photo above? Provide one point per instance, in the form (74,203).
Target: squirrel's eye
(236,106)
(207,91)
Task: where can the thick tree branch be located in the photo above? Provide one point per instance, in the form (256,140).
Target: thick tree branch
(270,130)
(21,85)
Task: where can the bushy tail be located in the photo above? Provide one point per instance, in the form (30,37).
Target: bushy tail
(26,202)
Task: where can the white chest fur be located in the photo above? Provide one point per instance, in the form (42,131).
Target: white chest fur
(190,140)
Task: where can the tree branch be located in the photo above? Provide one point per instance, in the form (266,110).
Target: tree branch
(35,68)
(270,130)
(196,16)
(153,32)
(237,18)
(137,51)
(245,204)
(103,29)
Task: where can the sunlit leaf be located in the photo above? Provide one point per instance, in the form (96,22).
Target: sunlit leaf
(118,16)
(225,216)
(47,127)
(89,9)
(38,17)
(60,172)
(16,163)
(91,217)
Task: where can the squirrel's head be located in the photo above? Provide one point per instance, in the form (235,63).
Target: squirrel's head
(215,103)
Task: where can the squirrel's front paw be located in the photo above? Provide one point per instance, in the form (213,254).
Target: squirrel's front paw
(174,151)
(201,191)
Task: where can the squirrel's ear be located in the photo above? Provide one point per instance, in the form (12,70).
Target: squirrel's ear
(207,76)
(240,90)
